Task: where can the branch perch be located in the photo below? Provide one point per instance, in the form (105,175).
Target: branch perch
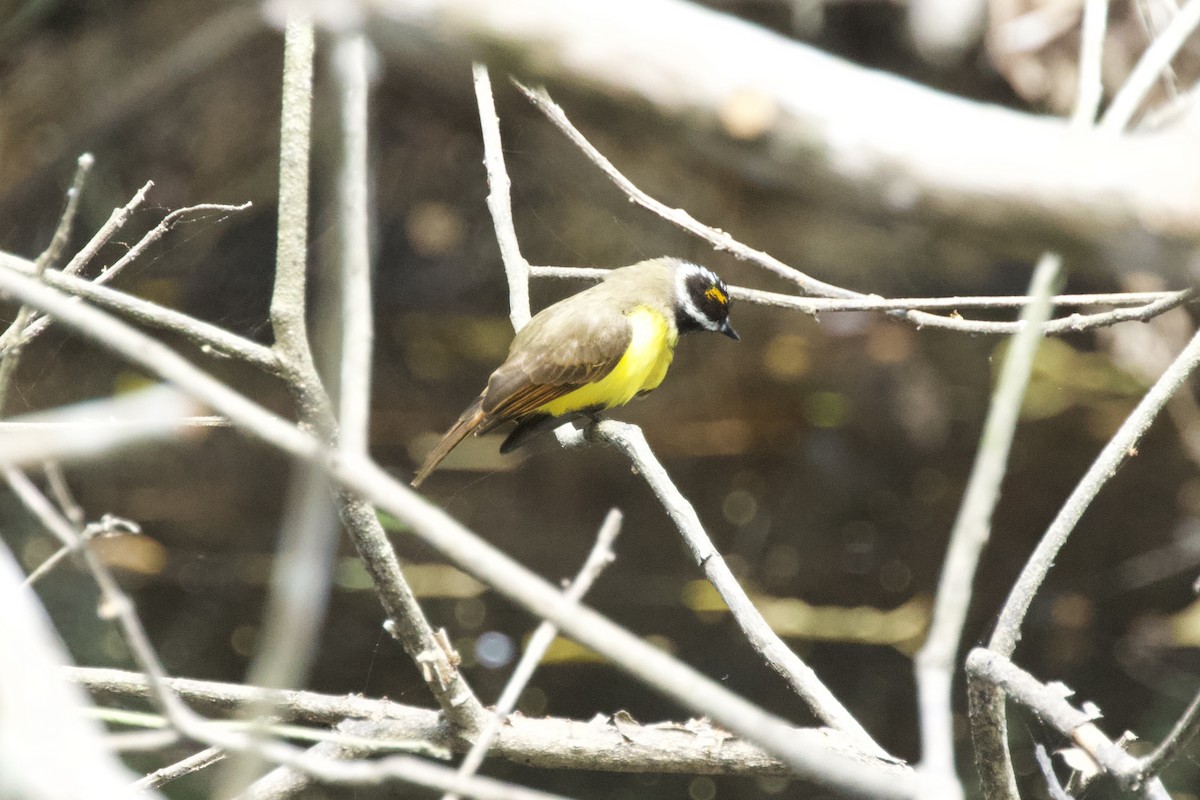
(657,669)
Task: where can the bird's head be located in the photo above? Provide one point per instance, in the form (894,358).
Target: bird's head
(701,301)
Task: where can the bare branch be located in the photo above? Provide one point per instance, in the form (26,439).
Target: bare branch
(291,260)
(499,200)
(109,525)
(210,338)
(193,763)
(58,423)
(654,667)
(1091,60)
(350,59)
(722,241)
(288,319)
(1182,733)
(1121,447)
(62,495)
(62,234)
(935,661)
(49,258)
(114,602)
(601,556)
(1057,792)
(19,337)
(630,440)
(342,762)
(549,742)
(1049,703)
(1132,306)
(1150,66)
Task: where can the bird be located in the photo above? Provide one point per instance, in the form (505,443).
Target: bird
(592,351)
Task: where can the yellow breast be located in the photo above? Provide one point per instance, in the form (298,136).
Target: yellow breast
(641,369)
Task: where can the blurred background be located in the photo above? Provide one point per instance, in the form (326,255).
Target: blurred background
(825,456)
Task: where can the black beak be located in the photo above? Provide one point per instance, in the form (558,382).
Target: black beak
(728,330)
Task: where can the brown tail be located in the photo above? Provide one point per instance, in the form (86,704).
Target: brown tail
(468,421)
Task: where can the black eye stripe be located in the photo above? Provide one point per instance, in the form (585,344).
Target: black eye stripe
(709,295)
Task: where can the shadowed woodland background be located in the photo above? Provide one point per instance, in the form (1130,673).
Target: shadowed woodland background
(826,457)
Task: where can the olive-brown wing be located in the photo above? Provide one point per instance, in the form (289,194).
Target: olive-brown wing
(563,348)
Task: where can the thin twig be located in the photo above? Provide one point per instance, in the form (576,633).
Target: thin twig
(47,260)
(80,423)
(46,567)
(499,200)
(720,240)
(875,302)
(724,242)
(289,322)
(1150,66)
(1091,61)
(114,223)
(351,739)
(115,604)
(50,258)
(193,763)
(547,742)
(935,661)
(150,723)
(1119,449)
(211,339)
(61,492)
(657,669)
(1182,733)
(1057,792)
(109,525)
(118,606)
(1049,702)
(632,442)
(1132,306)
(601,556)
(26,333)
